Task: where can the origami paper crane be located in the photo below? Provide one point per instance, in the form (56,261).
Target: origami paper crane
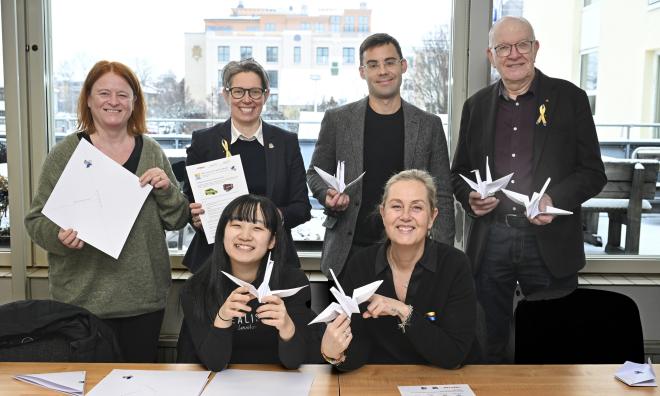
(532,204)
(489,187)
(346,305)
(264,290)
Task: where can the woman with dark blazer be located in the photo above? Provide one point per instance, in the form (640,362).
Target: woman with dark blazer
(271,157)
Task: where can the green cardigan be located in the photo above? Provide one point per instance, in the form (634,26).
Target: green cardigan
(139,280)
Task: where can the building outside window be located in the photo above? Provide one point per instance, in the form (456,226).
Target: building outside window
(349,23)
(589,77)
(246,52)
(296,55)
(335,21)
(322,54)
(272,54)
(363,24)
(304,26)
(348,55)
(223,53)
(270,27)
(272,78)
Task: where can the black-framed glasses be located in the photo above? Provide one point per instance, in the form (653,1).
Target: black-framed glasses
(253,93)
(389,63)
(523,47)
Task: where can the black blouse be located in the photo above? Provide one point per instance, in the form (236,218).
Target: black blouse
(443,324)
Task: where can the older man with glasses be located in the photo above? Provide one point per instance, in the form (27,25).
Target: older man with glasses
(538,128)
(380,135)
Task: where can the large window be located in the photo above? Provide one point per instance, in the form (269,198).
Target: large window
(619,87)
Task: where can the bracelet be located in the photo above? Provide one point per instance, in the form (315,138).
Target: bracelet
(221,318)
(334,362)
(406,322)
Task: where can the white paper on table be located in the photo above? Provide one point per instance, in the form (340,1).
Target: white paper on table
(264,289)
(233,382)
(337,181)
(215,184)
(346,305)
(69,382)
(98,198)
(151,383)
(437,390)
(532,204)
(636,374)
(489,187)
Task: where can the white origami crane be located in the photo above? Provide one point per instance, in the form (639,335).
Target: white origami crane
(336,181)
(346,305)
(264,289)
(532,205)
(489,187)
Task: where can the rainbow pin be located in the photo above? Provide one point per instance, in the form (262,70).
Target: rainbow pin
(430,316)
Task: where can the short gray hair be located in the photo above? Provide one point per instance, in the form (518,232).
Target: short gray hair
(244,66)
(491,32)
(418,175)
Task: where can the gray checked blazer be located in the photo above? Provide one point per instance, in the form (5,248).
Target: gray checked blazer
(342,139)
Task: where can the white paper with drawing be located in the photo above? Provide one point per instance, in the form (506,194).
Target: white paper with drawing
(215,184)
(98,198)
(151,383)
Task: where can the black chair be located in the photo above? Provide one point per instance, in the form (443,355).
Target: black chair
(588,326)
(51,331)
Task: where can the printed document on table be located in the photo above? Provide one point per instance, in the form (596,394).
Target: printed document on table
(67,382)
(437,390)
(233,382)
(151,383)
(98,198)
(215,184)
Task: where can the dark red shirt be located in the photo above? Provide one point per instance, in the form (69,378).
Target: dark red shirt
(514,144)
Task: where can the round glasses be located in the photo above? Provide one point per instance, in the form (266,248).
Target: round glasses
(253,93)
(523,47)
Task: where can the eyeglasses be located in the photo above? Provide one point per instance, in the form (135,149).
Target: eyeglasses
(253,93)
(523,47)
(389,64)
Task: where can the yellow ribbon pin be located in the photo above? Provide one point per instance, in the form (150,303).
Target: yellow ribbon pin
(225,146)
(541,118)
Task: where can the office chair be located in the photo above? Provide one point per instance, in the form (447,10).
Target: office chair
(588,326)
(52,331)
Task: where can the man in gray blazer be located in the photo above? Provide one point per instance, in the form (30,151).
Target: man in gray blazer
(380,135)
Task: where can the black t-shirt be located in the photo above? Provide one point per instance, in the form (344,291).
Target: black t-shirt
(383,157)
(132,162)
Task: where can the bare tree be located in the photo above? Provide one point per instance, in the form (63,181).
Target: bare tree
(430,77)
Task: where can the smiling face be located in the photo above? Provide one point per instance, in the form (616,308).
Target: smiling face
(407,214)
(111,102)
(383,81)
(246,243)
(245,112)
(515,68)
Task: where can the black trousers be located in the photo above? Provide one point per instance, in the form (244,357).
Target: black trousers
(138,336)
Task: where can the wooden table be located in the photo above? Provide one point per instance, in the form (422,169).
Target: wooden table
(501,380)
(325,382)
(573,380)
